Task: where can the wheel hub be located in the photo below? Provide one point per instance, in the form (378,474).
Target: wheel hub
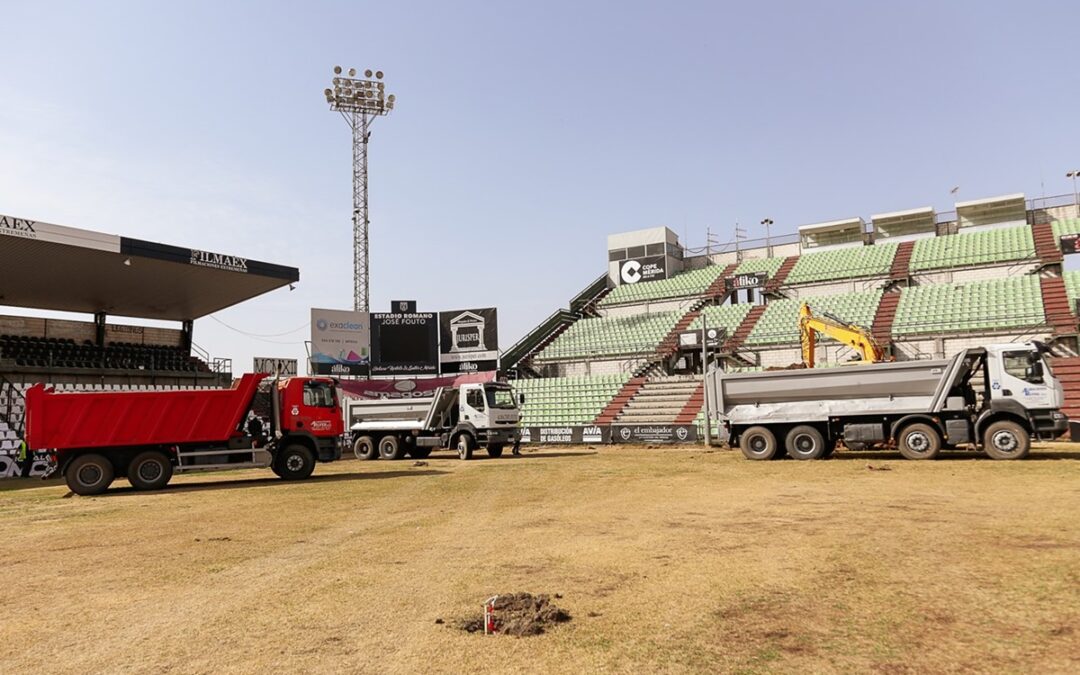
(1005,441)
(804,443)
(918,442)
(89,474)
(150,471)
(294,463)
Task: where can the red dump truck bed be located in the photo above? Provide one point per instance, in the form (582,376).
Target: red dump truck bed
(102,419)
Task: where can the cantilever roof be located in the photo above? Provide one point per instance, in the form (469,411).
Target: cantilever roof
(46,266)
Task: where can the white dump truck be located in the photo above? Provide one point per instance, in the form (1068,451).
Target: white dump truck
(462,418)
(993,399)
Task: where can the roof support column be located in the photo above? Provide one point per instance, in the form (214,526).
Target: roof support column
(186,329)
(99,329)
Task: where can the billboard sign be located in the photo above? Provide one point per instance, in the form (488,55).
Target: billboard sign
(420,387)
(654,433)
(741,281)
(635,270)
(1068,243)
(404,343)
(691,339)
(340,342)
(469,340)
(274,366)
(569,434)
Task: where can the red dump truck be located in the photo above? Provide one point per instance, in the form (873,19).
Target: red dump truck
(146,436)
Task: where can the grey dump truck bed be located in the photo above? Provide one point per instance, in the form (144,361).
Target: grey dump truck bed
(817,394)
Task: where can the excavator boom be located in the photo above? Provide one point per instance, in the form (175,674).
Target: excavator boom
(850,334)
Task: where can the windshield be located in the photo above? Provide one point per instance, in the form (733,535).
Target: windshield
(500,398)
(1019,365)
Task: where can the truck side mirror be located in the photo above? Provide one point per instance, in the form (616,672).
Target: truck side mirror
(1035,372)
(521,399)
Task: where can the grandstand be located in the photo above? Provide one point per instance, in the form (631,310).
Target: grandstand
(47,267)
(925,283)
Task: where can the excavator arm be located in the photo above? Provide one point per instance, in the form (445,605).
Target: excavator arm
(854,336)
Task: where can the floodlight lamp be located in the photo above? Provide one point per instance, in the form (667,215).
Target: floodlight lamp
(328,93)
(367,73)
(390,99)
(337,70)
(352,72)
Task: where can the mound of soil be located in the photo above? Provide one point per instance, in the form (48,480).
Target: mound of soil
(519,614)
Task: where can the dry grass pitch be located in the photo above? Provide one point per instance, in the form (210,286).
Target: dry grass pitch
(668,560)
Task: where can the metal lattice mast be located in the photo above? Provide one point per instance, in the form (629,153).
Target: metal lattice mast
(360,101)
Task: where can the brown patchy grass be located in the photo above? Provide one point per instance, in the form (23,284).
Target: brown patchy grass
(669,561)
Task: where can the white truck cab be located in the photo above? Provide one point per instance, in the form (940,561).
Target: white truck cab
(1019,371)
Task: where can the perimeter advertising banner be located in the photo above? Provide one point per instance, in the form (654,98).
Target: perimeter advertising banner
(404,343)
(469,340)
(420,387)
(340,342)
(569,434)
(653,433)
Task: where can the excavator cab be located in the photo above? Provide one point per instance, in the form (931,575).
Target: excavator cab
(854,336)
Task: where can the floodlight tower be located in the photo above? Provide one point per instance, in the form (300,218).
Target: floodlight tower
(360,101)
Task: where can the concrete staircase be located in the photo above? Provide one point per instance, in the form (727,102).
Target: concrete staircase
(670,344)
(660,401)
(1068,371)
(693,406)
(902,261)
(1045,246)
(743,331)
(719,288)
(881,329)
(616,405)
(774,284)
(1059,314)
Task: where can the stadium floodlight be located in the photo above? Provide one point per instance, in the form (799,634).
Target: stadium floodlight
(768,223)
(359,101)
(1076,195)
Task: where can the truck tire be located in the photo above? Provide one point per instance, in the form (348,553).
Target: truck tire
(758,443)
(390,447)
(495,450)
(419,453)
(464,446)
(919,441)
(364,448)
(150,470)
(805,442)
(1006,440)
(89,474)
(295,463)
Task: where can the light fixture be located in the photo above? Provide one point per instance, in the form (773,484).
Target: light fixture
(337,70)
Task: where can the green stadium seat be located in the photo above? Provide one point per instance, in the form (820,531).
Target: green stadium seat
(843,263)
(567,401)
(684,285)
(986,247)
(780,322)
(998,304)
(610,336)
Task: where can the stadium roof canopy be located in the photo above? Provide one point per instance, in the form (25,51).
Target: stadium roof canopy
(46,266)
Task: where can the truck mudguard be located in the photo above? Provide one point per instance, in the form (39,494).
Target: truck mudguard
(915,417)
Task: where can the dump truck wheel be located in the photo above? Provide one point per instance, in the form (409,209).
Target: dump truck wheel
(419,453)
(150,470)
(1006,440)
(919,441)
(89,474)
(295,463)
(390,448)
(805,442)
(495,450)
(464,446)
(364,448)
(758,443)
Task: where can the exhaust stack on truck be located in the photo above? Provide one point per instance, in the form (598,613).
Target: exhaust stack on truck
(994,398)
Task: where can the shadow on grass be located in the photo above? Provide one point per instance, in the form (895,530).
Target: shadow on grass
(1035,456)
(269,481)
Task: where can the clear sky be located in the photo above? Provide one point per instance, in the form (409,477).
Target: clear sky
(524,133)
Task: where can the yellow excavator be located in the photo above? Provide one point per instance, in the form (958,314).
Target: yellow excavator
(850,334)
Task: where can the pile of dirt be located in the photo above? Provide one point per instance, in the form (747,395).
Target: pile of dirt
(519,614)
(791,366)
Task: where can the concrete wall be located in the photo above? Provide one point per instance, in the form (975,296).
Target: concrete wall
(85,330)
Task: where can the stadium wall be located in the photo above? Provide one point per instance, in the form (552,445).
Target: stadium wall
(85,330)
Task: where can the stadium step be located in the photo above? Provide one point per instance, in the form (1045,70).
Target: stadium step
(719,288)
(670,344)
(1045,244)
(693,406)
(881,329)
(774,284)
(616,405)
(1067,370)
(1059,314)
(660,400)
(902,261)
(743,331)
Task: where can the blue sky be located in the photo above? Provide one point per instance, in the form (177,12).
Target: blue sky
(524,132)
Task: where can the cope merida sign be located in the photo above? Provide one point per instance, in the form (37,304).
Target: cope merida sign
(219,261)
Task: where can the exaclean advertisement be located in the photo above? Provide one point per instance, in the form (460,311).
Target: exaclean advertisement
(340,342)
